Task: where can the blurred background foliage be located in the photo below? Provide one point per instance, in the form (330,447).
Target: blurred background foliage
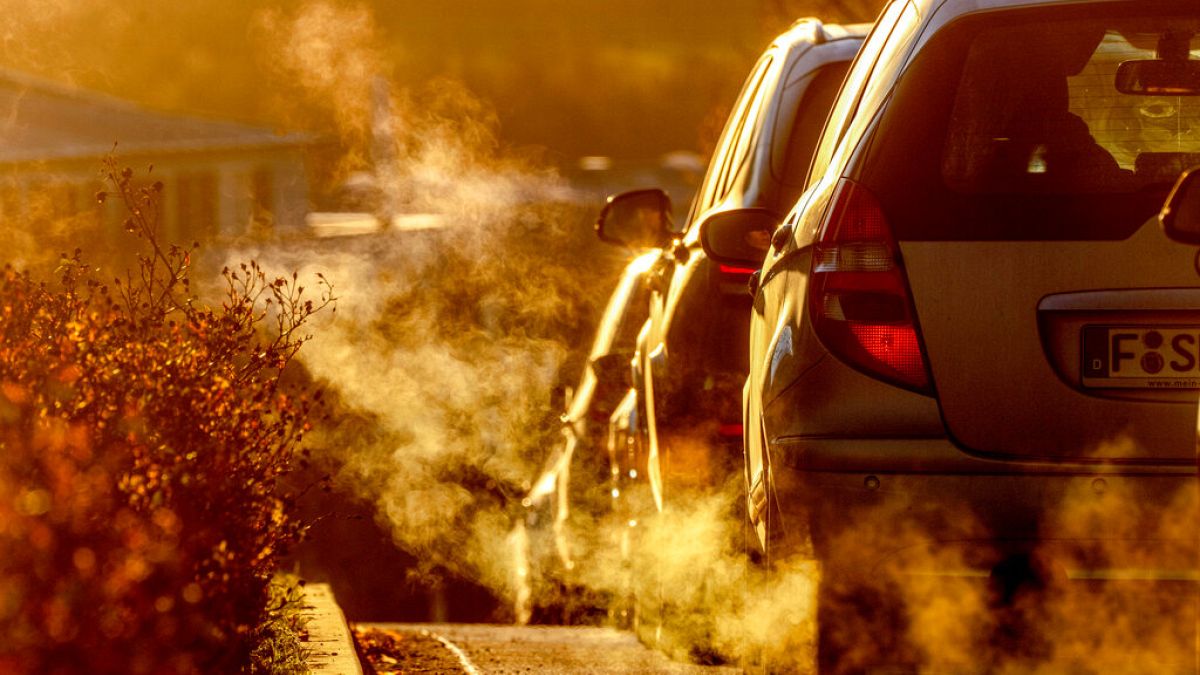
(625,78)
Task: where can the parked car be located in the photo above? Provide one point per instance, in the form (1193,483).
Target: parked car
(574,483)
(972,349)
(680,429)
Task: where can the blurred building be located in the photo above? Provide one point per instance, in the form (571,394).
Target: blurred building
(221,179)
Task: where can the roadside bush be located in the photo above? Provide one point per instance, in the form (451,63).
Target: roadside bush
(143,439)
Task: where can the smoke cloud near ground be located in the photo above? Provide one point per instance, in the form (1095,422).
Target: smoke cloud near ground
(1105,583)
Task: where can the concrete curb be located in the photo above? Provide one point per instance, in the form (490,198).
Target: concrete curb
(329,643)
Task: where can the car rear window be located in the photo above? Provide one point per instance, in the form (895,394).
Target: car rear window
(1009,125)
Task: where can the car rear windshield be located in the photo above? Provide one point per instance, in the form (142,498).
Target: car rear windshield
(1010,125)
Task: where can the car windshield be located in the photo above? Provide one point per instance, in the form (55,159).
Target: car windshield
(1037,110)
(1025,103)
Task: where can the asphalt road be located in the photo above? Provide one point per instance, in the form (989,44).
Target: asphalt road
(490,649)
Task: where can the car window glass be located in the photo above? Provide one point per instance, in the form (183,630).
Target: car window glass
(1024,103)
(749,133)
(718,168)
(797,129)
(747,130)
(849,95)
(1047,117)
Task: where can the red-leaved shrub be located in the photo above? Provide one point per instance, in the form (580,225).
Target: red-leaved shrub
(143,438)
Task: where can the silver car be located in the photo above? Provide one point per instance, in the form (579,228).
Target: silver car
(974,354)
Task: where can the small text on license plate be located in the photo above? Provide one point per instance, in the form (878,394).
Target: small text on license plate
(1166,357)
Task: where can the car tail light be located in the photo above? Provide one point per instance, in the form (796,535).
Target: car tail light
(859,298)
(735,273)
(736,269)
(730,431)
(734,279)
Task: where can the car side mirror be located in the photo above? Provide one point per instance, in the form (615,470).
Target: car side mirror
(1181,215)
(614,369)
(738,236)
(637,219)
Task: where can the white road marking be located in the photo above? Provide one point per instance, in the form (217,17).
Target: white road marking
(463,660)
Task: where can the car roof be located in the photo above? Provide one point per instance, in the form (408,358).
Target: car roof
(935,14)
(947,10)
(968,6)
(808,44)
(811,30)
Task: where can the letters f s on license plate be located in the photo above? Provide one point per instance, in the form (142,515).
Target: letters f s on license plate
(1141,357)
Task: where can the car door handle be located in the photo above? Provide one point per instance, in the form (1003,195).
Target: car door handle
(753,282)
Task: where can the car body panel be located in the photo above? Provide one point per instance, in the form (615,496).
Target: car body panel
(977,296)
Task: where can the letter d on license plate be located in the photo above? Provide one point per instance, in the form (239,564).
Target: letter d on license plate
(1132,357)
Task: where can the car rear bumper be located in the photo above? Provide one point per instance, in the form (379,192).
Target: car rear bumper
(921,506)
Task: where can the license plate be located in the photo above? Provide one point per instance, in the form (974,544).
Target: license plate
(1135,357)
